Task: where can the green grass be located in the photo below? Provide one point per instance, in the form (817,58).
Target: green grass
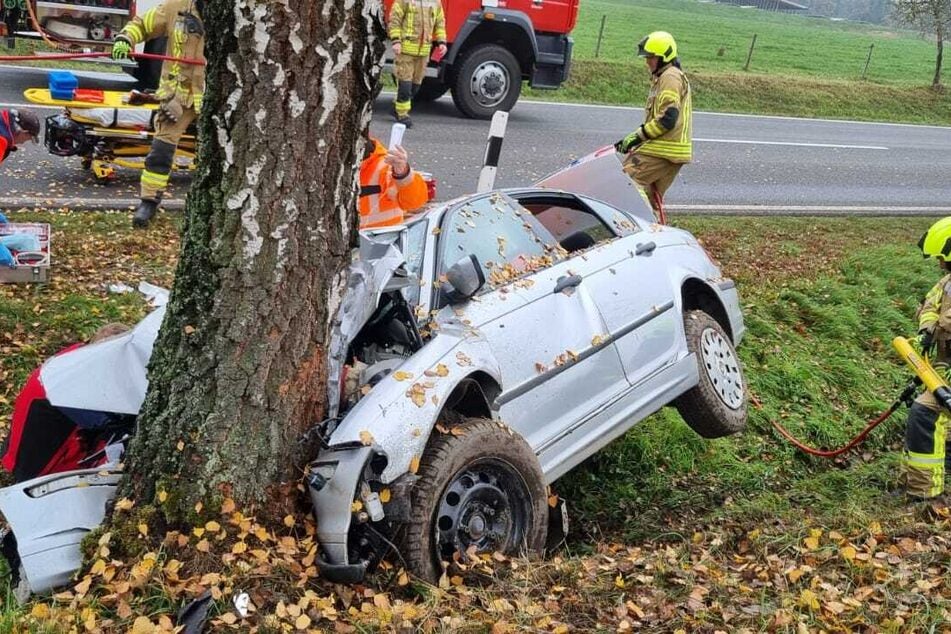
(786,77)
(27,48)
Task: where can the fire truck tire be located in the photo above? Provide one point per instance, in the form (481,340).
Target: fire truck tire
(488,78)
(431,90)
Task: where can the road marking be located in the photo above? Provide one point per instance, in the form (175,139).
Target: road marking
(829,145)
(810,210)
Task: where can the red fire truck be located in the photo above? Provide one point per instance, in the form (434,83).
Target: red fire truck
(495,45)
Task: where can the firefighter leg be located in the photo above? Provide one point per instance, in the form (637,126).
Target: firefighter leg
(404,86)
(419,72)
(653,175)
(158,166)
(923,462)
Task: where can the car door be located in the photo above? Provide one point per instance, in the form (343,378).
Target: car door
(636,297)
(537,316)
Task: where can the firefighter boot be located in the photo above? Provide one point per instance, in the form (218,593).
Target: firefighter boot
(144,212)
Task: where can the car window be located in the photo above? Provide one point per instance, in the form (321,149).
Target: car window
(574,226)
(413,251)
(501,234)
(620,222)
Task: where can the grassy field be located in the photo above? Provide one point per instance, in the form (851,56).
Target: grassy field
(669,531)
(801,66)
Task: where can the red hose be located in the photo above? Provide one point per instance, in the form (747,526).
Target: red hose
(56,56)
(831,453)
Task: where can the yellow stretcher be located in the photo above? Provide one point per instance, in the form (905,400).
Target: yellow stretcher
(102,148)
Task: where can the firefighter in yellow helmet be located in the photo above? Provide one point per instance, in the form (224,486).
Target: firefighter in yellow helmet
(662,145)
(926,428)
(180,90)
(414,27)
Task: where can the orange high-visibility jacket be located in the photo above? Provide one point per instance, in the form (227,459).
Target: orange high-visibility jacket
(384,199)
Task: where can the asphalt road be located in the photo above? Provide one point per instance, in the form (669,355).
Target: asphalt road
(750,163)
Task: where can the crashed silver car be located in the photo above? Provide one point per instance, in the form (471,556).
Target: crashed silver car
(482,351)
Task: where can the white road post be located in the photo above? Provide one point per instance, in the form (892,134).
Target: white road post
(493,148)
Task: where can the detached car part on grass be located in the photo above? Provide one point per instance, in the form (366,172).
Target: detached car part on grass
(482,351)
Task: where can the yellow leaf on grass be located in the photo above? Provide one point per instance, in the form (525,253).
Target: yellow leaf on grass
(795,574)
(302,622)
(180,446)
(229,618)
(143,530)
(212,526)
(124,504)
(808,599)
(289,521)
(227,507)
(162,496)
(848,552)
(142,625)
(40,611)
(203,546)
(239,548)
(811,543)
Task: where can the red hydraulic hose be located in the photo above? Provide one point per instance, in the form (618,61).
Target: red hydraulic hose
(58,56)
(905,397)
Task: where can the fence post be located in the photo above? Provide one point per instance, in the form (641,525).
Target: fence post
(597,49)
(868,60)
(749,57)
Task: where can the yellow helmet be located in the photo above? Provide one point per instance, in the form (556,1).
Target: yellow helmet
(936,242)
(660,44)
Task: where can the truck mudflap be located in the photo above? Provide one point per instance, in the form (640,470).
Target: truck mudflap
(49,517)
(332,482)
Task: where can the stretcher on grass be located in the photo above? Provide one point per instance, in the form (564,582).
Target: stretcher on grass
(105,131)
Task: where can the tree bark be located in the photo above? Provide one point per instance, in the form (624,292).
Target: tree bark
(939,32)
(238,370)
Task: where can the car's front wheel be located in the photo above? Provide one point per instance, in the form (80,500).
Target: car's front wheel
(479,487)
(716,406)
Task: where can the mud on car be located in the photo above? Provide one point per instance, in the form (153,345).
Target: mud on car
(481,351)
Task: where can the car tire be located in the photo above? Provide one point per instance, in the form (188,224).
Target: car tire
(430,90)
(487,78)
(716,406)
(474,482)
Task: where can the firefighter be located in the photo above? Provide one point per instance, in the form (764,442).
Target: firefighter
(926,428)
(388,186)
(415,25)
(17,127)
(662,145)
(180,89)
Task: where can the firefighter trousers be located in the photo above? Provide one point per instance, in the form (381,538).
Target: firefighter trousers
(923,463)
(652,174)
(158,163)
(409,71)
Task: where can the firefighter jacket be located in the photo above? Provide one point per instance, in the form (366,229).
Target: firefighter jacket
(180,21)
(934,316)
(416,25)
(383,198)
(668,117)
(7,142)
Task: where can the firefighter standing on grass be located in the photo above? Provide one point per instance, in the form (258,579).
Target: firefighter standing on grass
(414,26)
(662,145)
(926,428)
(180,90)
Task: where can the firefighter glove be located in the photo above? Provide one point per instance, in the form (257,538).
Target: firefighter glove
(121,49)
(171,110)
(923,343)
(630,142)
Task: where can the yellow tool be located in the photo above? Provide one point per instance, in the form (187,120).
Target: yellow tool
(932,380)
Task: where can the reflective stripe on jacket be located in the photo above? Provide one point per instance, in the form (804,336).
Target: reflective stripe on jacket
(669,89)
(186,39)
(935,317)
(384,199)
(416,24)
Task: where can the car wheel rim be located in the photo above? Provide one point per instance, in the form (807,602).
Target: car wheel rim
(489,84)
(487,506)
(722,367)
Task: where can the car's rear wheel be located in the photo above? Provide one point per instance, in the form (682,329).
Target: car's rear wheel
(716,407)
(480,487)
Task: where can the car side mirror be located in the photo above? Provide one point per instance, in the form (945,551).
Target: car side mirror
(466,277)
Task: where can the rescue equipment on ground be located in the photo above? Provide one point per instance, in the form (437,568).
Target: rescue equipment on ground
(24,252)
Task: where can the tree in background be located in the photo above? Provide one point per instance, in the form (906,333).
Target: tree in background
(932,16)
(237,374)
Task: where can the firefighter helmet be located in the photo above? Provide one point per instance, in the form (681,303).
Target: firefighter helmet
(658,44)
(936,242)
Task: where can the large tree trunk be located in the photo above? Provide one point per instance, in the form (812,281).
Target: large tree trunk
(238,371)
